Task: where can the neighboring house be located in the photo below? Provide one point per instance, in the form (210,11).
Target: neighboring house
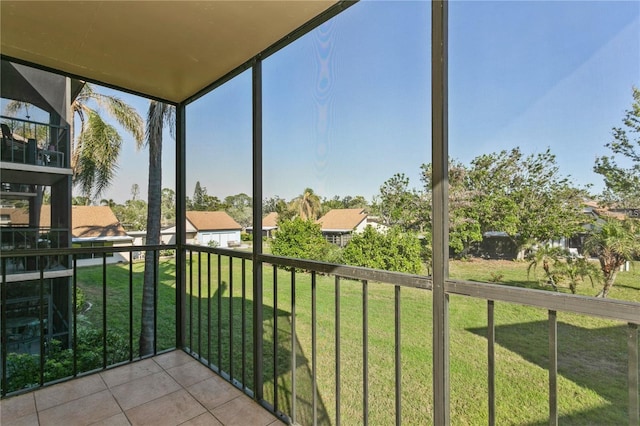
(269,225)
(597,216)
(201,228)
(98,226)
(494,245)
(499,245)
(338,225)
(216,228)
(167,236)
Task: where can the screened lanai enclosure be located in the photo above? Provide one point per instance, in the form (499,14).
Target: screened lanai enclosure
(400,102)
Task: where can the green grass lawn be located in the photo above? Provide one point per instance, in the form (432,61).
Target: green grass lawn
(592,352)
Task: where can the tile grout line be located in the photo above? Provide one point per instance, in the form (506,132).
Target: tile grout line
(115,399)
(35,404)
(203,406)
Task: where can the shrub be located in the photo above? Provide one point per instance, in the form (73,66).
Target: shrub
(80,300)
(301,239)
(23,370)
(496,277)
(395,250)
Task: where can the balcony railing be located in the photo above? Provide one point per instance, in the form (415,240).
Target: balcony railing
(34,143)
(19,238)
(322,343)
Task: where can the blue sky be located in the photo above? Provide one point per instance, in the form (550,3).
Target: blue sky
(348,105)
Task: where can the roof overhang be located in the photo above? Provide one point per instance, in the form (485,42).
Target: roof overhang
(167,50)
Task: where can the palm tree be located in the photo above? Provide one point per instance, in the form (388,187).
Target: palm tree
(549,257)
(158,116)
(577,270)
(615,243)
(559,266)
(307,205)
(94,153)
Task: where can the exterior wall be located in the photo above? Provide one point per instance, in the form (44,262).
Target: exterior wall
(341,239)
(115,258)
(361,226)
(221,238)
(494,247)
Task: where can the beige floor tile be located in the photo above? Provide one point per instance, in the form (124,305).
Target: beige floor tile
(190,373)
(243,411)
(15,407)
(28,420)
(214,392)
(130,372)
(82,411)
(205,419)
(144,389)
(172,359)
(117,420)
(150,393)
(170,410)
(68,391)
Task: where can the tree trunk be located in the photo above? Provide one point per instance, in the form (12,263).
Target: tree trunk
(609,279)
(147,335)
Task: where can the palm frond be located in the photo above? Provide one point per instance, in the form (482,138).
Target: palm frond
(98,157)
(124,114)
(159,115)
(14,107)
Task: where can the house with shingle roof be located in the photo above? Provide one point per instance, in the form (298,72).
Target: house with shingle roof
(217,228)
(11,216)
(338,225)
(98,226)
(269,225)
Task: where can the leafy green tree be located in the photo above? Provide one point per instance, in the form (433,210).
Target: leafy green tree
(394,250)
(108,203)
(623,184)
(240,208)
(398,205)
(331,204)
(526,197)
(347,202)
(464,222)
(277,204)
(614,243)
(198,200)
(357,202)
(158,116)
(168,207)
(132,214)
(201,201)
(301,239)
(273,204)
(80,201)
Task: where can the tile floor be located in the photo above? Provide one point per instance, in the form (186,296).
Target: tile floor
(169,389)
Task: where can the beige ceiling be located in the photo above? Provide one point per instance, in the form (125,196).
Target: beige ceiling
(166,49)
